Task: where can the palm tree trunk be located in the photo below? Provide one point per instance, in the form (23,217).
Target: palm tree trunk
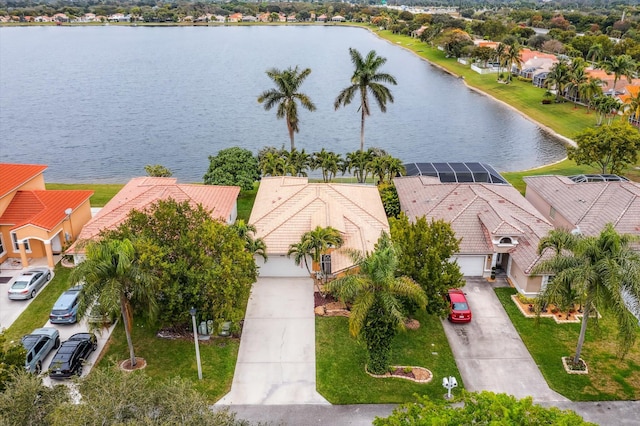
(362,130)
(583,332)
(291,137)
(127,328)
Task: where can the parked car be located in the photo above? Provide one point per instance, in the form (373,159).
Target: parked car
(38,344)
(28,283)
(71,356)
(459,307)
(65,310)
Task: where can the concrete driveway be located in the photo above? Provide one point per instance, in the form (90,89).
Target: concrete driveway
(276,360)
(489,352)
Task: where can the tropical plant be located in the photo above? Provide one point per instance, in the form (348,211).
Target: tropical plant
(590,90)
(632,107)
(501,49)
(157,170)
(367,79)
(314,244)
(512,58)
(253,245)
(359,163)
(558,78)
(286,95)
(595,53)
(606,108)
(578,78)
(298,162)
(12,357)
(328,162)
(112,277)
(619,66)
(274,164)
(375,293)
(605,271)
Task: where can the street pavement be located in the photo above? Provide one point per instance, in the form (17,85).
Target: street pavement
(489,351)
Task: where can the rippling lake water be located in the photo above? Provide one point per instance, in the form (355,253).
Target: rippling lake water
(97,104)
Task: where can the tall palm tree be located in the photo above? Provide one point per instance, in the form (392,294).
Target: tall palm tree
(501,50)
(286,95)
(595,53)
(359,163)
(619,66)
(298,162)
(559,290)
(112,276)
(558,78)
(634,108)
(328,162)
(591,89)
(367,79)
(513,58)
(314,244)
(605,271)
(375,294)
(577,79)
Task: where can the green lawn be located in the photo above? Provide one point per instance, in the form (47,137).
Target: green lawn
(609,378)
(102,192)
(340,360)
(37,313)
(176,358)
(245,202)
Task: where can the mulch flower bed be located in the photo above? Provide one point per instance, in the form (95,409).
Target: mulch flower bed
(572,368)
(126,364)
(415,374)
(319,300)
(528,311)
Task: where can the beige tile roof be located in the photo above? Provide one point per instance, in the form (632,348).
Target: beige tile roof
(287,207)
(141,192)
(591,205)
(477,211)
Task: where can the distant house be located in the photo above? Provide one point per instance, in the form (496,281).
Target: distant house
(338,18)
(119,17)
(292,18)
(219,19)
(36,222)
(534,63)
(286,207)
(235,17)
(585,203)
(497,226)
(142,192)
(60,17)
(249,18)
(264,17)
(322,18)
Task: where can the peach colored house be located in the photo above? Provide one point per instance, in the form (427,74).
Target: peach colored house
(286,207)
(586,206)
(141,192)
(35,222)
(497,226)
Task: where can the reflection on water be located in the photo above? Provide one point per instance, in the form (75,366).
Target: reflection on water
(99,103)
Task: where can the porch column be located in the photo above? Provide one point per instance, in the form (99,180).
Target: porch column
(23,254)
(49,251)
(494,260)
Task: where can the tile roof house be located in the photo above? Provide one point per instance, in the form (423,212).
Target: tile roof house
(142,192)
(286,207)
(586,206)
(35,222)
(496,225)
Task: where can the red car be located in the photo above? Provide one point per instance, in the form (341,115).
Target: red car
(460,311)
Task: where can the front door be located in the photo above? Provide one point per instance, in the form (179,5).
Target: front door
(56,246)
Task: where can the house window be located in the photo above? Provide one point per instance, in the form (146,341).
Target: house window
(506,240)
(2,251)
(552,212)
(16,248)
(325,264)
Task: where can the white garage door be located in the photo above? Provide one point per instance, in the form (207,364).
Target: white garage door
(280,266)
(471,266)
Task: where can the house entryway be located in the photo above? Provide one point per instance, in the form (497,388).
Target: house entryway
(277,360)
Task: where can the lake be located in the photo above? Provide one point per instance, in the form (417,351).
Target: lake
(96,104)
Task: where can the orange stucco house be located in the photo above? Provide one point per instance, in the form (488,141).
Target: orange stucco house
(35,222)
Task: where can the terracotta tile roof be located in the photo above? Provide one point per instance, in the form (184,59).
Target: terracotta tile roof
(477,212)
(287,207)
(591,205)
(528,54)
(141,192)
(12,176)
(42,208)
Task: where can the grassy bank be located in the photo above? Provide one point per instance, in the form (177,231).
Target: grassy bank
(609,378)
(102,192)
(340,361)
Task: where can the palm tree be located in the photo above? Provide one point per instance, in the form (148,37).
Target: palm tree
(595,53)
(367,79)
(112,277)
(298,162)
(314,244)
(253,245)
(513,58)
(577,79)
(500,56)
(359,163)
(634,108)
(273,164)
(558,291)
(285,95)
(375,294)
(328,162)
(591,89)
(619,66)
(558,78)
(605,272)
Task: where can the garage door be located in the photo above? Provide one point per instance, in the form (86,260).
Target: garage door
(280,266)
(471,266)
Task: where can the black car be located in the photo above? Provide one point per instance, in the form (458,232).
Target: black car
(71,355)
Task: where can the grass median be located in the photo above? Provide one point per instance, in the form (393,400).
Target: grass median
(609,378)
(340,361)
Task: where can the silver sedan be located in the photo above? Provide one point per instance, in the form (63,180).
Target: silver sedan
(28,283)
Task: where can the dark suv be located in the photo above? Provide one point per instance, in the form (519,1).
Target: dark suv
(71,355)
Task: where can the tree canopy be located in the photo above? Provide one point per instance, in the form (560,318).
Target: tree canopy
(610,147)
(233,166)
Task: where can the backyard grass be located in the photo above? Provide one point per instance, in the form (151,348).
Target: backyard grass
(340,360)
(168,358)
(102,192)
(37,313)
(245,202)
(609,378)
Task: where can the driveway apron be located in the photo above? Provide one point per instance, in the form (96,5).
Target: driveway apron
(276,360)
(489,352)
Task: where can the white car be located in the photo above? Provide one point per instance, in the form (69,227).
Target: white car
(27,284)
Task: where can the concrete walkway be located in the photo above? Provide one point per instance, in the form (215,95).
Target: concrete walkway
(276,360)
(489,352)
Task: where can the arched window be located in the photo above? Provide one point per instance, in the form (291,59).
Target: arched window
(506,240)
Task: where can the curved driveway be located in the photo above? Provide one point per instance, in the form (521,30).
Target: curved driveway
(489,352)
